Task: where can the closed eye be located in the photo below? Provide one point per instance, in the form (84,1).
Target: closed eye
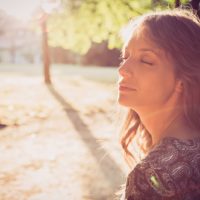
(146,62)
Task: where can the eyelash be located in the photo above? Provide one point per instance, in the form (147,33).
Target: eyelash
(148,63)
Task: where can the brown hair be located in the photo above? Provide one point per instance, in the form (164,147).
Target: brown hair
(177,32)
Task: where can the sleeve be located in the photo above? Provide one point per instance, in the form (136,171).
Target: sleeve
(145,182)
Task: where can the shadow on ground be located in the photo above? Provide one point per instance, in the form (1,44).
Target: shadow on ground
(114,177)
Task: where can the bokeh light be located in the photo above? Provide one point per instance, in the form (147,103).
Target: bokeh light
(20,9)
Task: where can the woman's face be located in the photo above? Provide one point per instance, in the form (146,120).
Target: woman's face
(146,75)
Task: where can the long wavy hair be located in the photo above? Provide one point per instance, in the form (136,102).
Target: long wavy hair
(177,32)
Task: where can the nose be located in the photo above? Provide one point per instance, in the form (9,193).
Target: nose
(123,71)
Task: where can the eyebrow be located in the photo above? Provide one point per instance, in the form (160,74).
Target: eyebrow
(142,49)
(150,50)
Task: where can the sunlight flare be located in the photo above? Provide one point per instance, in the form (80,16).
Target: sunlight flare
(22,9)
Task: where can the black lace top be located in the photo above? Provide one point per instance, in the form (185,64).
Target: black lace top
(170,171)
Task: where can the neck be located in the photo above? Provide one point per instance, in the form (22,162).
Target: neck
(166,120)
(163,122)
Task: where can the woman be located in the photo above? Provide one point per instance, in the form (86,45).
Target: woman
(160,85)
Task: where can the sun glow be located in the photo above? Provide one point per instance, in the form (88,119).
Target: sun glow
(20,9)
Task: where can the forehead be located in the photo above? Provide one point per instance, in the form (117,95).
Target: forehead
(141,39)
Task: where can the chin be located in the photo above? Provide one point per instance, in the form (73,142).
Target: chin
(127,102)
(123,102)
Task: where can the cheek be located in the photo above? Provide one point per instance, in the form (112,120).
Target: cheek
(153,89)
(158,88)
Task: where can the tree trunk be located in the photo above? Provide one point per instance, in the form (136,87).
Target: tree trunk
(177,3)
(46,60)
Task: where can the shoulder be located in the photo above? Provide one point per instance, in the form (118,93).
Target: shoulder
(171,170)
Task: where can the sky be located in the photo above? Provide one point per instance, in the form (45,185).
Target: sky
(20,9)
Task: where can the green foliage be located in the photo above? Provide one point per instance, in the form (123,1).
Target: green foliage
(87,21)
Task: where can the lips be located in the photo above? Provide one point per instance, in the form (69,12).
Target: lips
(123,87)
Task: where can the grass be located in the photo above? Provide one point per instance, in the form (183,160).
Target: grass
(102,74)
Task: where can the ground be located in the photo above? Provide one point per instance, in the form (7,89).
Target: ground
(59,142)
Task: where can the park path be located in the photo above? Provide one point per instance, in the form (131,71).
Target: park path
(60,141)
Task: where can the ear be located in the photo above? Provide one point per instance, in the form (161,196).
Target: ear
(179,86)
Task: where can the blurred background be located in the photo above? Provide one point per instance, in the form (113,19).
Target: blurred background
(59,117)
